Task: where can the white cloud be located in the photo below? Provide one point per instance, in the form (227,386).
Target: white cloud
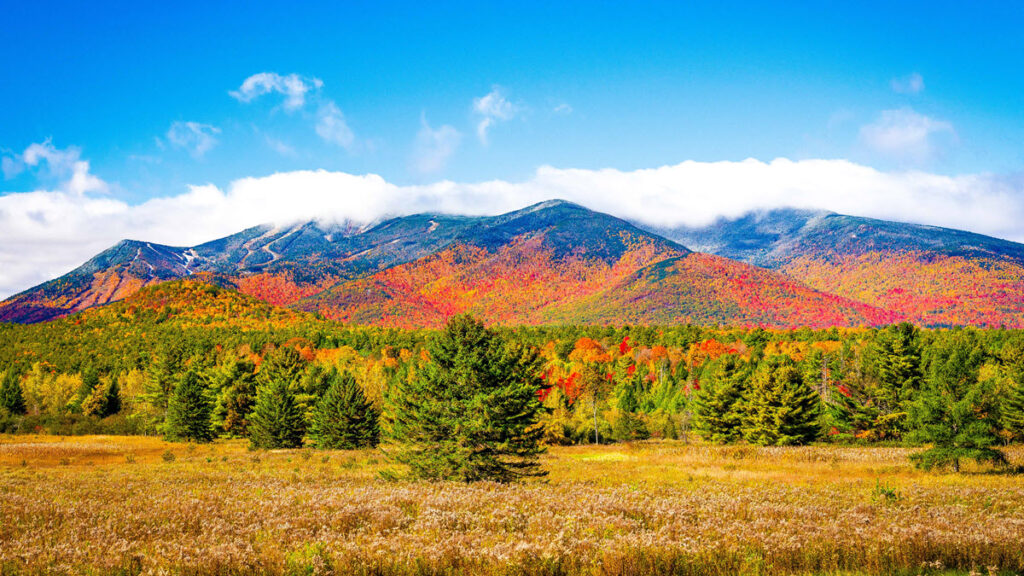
(907,136)
(63,165)
(197,138)
(491,108)
(331,126)
(434,147)
(46,233)
(911,84)
(562,108)
(293,87)
(280,146)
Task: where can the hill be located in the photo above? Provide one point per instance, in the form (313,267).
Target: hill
(930,275)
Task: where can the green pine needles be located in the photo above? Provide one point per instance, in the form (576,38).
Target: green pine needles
(343,418)
(276,421)
(472,412)
(12,401)
(780,408)
(188,410)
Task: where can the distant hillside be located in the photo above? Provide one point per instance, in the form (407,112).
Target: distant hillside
(558,262)
(931,275)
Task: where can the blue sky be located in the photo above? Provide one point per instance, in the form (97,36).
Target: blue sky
(152,97)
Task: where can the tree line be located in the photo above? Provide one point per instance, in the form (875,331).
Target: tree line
(961,391)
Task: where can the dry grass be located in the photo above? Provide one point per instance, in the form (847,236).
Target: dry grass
(115,505)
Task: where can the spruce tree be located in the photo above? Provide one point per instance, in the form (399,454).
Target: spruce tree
(472,412)
(12,400)
(781,409)
(188,410)
(104,400)
(1012,411)
(276,421)
(717,404)
(628,423)
(343,418)
(955,412)
(898,365)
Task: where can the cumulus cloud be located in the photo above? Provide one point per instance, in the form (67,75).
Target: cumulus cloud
(911,84)
(907,136)
(196,138)
(46,233)
(57,164)
(434,147)
(491,108)
(293,87)
(331,126)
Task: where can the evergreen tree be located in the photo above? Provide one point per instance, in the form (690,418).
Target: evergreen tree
(104,400)
(628,423)
(781,409)
(1012,356)
(955,412)
(12,400)
(90,382)
(188,410)
(717,404)
(898,364)
(472,412)
(276,421)
(344,418)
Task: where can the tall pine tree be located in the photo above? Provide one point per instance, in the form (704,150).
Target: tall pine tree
(717,404)
(276,420)
(781,409)
(472,412)
(955,412)
(1012,412)
(12,401)
(188,410)
(344,418)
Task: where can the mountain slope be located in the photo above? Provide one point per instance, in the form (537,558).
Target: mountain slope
(930,275)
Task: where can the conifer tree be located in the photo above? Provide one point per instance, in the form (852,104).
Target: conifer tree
(276,421)
(898,365)
(1012,412)
(188,410)
(344,418)
(12,400)
(781,409)
(104,400)
(472,412)
(628,424)
(955,412)
(717,404)
(90,382)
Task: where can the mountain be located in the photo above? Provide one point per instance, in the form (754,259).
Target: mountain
(558,262)
(929,275)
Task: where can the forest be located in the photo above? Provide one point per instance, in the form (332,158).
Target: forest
(123,369)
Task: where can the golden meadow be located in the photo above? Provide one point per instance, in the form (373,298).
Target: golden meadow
(138,505)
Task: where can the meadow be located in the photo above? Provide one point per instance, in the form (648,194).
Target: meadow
(139,505)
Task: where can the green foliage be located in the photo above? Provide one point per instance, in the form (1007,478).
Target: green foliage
(717,405)
(344,418)
(188,411)
(898,366)
(104,400)
(12,400)
(472,412)
(781,409)
(276,421)
(955,411)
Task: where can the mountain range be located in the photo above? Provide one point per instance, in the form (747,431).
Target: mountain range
(558,262)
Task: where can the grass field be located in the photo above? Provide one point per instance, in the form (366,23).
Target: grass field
(129,505)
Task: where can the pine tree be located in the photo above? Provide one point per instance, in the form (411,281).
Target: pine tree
(472,412)
(717,404)
(898,365)
(104,400)
(1012,356)
(781,409)
(12,400)
(188,410)
(628,423)
(90,382)
(343,418)
(276,421)
(955,412)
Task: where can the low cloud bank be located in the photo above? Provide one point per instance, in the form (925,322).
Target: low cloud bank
(46,233)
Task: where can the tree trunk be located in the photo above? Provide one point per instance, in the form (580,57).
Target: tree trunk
(956,465)
(597,439)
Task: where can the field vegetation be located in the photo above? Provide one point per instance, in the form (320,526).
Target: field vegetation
(140,505)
